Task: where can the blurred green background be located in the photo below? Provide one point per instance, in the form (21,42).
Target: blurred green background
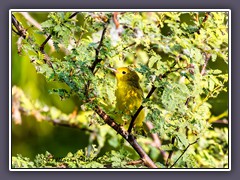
(31,137)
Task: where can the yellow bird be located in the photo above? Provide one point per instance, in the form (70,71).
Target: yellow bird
(129,96)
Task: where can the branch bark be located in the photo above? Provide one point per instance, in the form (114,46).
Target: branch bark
(128,137)
(20,30)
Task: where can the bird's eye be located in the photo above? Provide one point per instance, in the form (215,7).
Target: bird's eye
(124,72)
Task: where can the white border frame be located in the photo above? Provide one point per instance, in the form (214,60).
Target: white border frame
(123,10)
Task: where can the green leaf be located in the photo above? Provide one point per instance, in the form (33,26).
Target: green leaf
(47,24)
(183,139)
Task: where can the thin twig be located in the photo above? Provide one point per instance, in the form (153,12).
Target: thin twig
(49,36)
(129,46)
(31,20)
(23,33)
(57,122)
(207,57)
(206,17)
(156,141)
(97,60)
(187,101)
(204,20)
(44,43)
(139,109)
(16,32)
(133,118)
(74,14)
(184,152)
(221,123)
(174,138)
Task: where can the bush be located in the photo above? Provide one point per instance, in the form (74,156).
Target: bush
(182,60)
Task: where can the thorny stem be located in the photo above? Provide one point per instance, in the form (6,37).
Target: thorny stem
(39,115)
(22,32)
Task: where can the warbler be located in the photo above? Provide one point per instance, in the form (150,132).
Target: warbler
(129,96)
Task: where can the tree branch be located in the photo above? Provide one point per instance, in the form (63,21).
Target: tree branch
(127,136)
(174,138)
(130,45)
(44,43)
(20,30)
(19,101)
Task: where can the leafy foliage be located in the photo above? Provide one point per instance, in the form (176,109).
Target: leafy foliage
(80,159)
(171,51)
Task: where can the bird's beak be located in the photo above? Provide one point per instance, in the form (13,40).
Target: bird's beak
(113,70)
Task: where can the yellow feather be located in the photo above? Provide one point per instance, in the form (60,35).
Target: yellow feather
(129,96)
